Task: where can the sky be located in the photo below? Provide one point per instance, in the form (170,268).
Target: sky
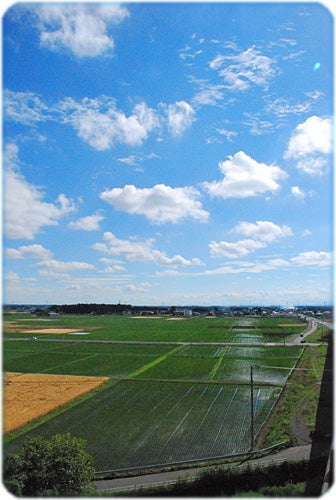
(168,153)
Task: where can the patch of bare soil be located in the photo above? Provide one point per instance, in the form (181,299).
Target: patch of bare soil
(300,429)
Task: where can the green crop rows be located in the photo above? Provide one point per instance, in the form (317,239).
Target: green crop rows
(164,402)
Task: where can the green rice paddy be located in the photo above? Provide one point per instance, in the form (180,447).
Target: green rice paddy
(184,397)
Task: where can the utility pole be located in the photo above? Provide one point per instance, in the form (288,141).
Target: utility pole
(252,409)
(252,405)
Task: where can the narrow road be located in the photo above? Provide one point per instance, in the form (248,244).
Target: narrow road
(164,478)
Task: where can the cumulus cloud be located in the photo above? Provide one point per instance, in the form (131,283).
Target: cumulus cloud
(263,230)
(241,71)
(180,117)
(25,211)
(313,258)
(88,223)
(260,234)
(310,144)
(234,250)
(80,29)
(28,252)
(140,251)
(245,177)
(159,204)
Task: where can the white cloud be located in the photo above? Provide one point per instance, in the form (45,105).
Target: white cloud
(113,269)
(313,258)
(129,249)
(282,106)
(98,121)
(263,230)
(140,288)
(310,144)
(234,250)
(208,94)
(159,204)
(59,266)
(25,212)
(140,251)
(28,252)
(81,29)
(257,125)
(24,107)
(100,124)
(228,134)
(244,177)
(180,116)
(242,70)
(88,223)
(297,192)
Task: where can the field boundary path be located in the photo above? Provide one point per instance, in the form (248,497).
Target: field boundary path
(177,343)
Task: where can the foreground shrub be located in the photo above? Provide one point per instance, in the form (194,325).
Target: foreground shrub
(58,467)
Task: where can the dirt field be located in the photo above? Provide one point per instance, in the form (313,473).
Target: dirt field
(27,397)
(53,330)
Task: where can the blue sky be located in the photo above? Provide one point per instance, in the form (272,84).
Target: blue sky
(168,153)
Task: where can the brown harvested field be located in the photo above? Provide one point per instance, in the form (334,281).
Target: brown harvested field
(53,330)
(28,396)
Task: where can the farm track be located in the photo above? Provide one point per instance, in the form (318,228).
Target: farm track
(177,343)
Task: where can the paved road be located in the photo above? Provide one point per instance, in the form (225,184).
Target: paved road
(161,478)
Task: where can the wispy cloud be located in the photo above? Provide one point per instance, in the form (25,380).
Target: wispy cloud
(246,69)
(99,122)
(281,106)
(59,266)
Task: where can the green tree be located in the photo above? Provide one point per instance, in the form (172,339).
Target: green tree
(56,467)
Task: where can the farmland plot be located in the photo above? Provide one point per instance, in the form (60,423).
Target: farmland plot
(167,403)
(79,358)
(270,371)
(145,423)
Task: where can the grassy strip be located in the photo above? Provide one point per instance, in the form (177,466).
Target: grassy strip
(156,361)
(36,423)
(300,396)
(218,364)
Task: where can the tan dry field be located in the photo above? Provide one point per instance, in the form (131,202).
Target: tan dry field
(20,328)
(28,396)
(53,330)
